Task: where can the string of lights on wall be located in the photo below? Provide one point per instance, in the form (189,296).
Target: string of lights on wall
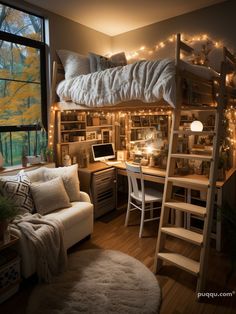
(144,51)
(51,129)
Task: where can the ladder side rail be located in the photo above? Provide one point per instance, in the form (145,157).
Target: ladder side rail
(169,171)
(212,179)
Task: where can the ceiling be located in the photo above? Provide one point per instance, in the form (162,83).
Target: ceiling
(114,17)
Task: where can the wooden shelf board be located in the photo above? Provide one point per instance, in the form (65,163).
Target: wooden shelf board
(85,141)
(73,131)
(99,126)
(73,121)
(192,156)
(189,132)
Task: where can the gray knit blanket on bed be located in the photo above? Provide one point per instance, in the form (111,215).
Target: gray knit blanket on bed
(45,237)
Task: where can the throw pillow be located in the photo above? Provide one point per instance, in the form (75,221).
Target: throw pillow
(73,63)
(119,59)
(70,179)
(17,188)
(49,196)
(100,63)
(36,175)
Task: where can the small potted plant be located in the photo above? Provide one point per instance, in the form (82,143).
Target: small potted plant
(49,154)
(8,210)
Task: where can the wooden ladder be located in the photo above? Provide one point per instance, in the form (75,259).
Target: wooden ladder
(199,267)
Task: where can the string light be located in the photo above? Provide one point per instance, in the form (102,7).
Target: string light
(229,122)
(51,128)
(143,51)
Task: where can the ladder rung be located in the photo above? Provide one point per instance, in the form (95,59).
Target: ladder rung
(187,207)
(181,261)
(192,156)
(189,132)
(184,234)
(189,183)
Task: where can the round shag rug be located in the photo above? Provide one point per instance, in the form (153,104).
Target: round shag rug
(99,281)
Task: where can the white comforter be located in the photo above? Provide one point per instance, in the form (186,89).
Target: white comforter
(148,81)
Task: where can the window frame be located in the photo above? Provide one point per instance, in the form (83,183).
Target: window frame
(41,45)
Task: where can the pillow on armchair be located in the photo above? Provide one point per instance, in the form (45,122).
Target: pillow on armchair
(49,196)
(36,175)
(69,177)
(17,188)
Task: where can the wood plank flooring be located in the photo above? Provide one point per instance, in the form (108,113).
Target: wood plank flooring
(178,287)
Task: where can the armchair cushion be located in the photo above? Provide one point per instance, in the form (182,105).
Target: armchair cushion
(49,196)
(36,175)
(70,179)
(78,212)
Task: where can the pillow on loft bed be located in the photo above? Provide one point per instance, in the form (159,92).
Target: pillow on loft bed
(100,63)
(73,63)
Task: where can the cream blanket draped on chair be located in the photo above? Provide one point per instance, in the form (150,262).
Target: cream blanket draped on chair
(45,237)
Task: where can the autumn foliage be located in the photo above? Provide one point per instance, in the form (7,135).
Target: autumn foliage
(20,82)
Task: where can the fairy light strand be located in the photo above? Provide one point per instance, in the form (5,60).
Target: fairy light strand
(144,51)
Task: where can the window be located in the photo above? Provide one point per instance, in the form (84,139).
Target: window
(23,105)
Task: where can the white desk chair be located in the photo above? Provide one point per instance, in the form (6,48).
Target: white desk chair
(139,197)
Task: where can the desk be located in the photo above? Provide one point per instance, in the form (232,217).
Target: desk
(225,190)
(151,174)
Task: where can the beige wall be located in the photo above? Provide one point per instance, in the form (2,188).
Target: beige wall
(217,21)
(66,34)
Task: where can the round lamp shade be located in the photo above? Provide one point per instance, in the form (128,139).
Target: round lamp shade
(196,126)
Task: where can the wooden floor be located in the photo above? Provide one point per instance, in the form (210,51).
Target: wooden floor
(178,287)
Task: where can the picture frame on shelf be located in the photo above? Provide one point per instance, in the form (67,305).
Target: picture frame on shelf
(105,135)
(92,135)
(64,151)
(121,155)
(66,137)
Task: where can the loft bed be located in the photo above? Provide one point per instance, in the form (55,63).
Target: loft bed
(190,86)
(194,84)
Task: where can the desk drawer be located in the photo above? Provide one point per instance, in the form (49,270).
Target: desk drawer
(104,191)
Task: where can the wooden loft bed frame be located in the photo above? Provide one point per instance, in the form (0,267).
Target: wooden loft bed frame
(197,90)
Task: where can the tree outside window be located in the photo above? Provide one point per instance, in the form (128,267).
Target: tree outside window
(23,107)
